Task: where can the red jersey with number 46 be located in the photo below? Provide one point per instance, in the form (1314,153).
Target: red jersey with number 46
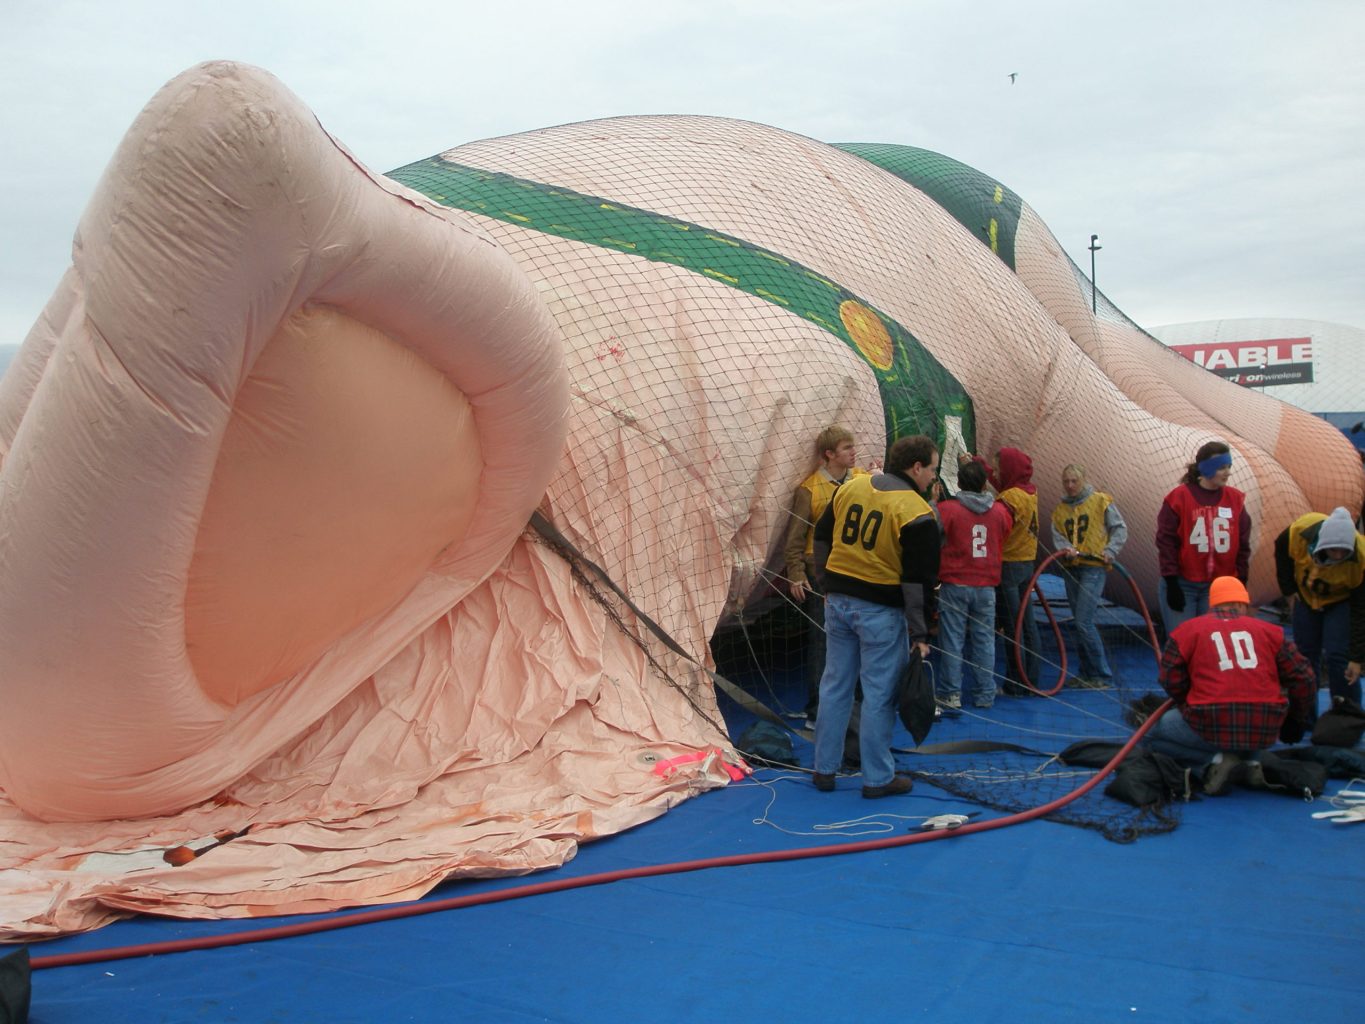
(1210,535)
(972,542)
(1231,661)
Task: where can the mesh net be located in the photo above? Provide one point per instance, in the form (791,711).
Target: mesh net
(1007,756)
(727,290)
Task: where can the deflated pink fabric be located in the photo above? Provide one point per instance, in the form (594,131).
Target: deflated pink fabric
(276,423)
(269,457)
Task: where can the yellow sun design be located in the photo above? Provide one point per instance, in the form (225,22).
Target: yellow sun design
(868,333)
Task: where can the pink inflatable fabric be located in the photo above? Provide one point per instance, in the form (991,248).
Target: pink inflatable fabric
(270,454)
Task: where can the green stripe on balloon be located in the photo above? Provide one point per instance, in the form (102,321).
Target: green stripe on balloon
(978,202)
(917,392)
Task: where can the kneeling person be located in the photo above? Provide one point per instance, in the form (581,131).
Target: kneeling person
(1238,686)
(876,556)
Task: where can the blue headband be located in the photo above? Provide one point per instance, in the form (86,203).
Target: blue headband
(1214,463)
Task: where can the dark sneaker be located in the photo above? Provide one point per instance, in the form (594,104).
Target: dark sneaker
(898,785)
(1250,775)
(1218,777)
(824,783)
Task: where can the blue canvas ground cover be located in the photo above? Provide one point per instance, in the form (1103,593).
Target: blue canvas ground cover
(1249,911)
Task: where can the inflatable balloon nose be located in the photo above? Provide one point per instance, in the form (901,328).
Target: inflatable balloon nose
(281,415)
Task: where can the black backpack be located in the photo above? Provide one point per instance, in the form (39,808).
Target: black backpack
(1145,778)
(1341,725)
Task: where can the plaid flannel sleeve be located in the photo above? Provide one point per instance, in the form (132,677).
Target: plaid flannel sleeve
(1299,679)
(1173,675)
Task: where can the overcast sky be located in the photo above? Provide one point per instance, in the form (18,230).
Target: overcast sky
(1216,147)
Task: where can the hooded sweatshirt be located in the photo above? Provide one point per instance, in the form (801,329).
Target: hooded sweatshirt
(974,530)
(1019,494)
(1319,585)
(1337,532)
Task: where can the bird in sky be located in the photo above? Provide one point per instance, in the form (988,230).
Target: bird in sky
(1013,76)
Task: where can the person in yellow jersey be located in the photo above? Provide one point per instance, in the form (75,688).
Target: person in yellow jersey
(876,557)
(1088,531)
(837,452)
(1014,478)
(1320,567)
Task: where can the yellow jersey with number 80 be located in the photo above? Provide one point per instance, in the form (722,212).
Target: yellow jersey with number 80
(867,530)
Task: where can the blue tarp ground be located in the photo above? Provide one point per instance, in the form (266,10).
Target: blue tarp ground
(1250,911)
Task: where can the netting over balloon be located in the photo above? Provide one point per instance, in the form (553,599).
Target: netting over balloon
(270,455)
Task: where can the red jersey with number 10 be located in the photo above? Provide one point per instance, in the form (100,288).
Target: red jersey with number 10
(1231,660)
(970,555)
(1210,535)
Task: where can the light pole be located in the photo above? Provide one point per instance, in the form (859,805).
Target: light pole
(1093,289)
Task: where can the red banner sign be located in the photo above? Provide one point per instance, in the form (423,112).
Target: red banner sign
(1256,364)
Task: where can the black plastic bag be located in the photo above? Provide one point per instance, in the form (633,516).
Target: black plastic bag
(1341,725)
(1145,778)
(915,698)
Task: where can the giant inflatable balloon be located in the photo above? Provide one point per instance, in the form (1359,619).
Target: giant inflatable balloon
(270,455)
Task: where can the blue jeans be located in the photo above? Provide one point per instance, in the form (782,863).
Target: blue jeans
(1325,636)
(1084,587)
(1014,577)
(1196,603)
(1173,737)
(867,641)
(967,614)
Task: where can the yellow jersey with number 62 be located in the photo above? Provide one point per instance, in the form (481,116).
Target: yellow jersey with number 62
(1083,525)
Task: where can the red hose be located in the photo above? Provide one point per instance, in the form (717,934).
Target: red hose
(94,956)
(1026,608)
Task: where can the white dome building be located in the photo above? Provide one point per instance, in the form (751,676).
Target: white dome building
(1314,365)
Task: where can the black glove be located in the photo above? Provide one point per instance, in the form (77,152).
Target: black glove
(1175,597)
(1291,730)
